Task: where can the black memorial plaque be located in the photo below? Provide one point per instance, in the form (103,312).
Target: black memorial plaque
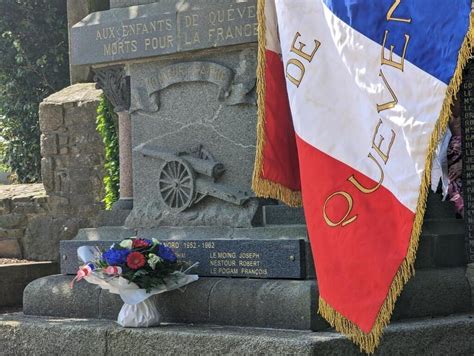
(221,258)
(467,124)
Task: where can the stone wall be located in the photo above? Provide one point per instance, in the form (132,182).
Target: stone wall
(72,151)
(18,203)
(35,217)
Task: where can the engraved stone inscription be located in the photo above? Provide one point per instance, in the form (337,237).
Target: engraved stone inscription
(162,28)
(219,26)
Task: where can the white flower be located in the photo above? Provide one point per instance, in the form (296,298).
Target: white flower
(126,244)
(153,260)
(155,241)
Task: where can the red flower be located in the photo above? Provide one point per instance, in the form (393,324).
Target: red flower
(140,243)
(135,260)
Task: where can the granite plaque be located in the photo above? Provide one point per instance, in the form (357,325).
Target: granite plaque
(221,258)
(467,123)
(162,28)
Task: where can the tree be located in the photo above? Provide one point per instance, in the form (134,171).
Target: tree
(33,65)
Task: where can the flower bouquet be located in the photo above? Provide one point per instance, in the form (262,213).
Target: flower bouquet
(136,269)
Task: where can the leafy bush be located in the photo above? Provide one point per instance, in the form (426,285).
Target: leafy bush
(33,65)
(107,127)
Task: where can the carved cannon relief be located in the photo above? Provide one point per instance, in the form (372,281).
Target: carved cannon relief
(185,178)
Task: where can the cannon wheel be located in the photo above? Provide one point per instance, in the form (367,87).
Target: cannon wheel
(177,185)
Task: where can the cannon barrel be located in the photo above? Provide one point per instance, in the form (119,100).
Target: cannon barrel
(206,186)
(156,152)
(206,167)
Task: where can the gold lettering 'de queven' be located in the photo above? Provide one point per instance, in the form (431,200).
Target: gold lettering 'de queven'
(379,153)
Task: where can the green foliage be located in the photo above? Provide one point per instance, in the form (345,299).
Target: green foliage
(33,65)
(3,166)
(108,130)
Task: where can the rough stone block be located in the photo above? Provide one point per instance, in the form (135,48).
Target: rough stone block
(70,96)
(41,240)
(63,162)
(61,182)
(5,205)
(26,207)
(58,204)
(84,199)
(10,248)
(41,199)
(10,221)
(49,145)
(82,187)
(11,233)
(84,114)
(63,139)
(81,159)
(47,173)
(88,211)
(50,117)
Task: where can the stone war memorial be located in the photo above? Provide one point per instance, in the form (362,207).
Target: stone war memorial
(181,75)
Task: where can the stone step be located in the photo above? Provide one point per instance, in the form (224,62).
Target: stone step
(15,277)
(27,335)
(289,304)
(436,208)
(441,250)
(115,233)
(444,226)
(284,215)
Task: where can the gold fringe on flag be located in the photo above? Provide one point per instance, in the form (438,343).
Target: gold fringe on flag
(369,342)
(261,186)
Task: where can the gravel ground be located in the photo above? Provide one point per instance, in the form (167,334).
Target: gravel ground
(9,261)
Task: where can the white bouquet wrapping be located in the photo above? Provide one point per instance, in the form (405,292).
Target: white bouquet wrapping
(127,265)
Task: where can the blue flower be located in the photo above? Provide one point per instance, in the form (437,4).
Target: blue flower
(115,257)
(166,254)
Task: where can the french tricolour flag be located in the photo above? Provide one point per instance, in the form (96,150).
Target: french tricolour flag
(353,98)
